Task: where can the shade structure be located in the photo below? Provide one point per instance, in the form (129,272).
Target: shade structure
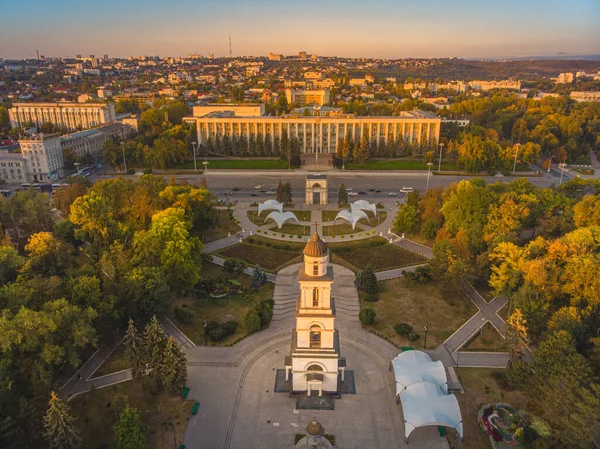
(416,366)
(281,217)
(351,217)
(422,387)
(363,205)
(423,404)
(270,205)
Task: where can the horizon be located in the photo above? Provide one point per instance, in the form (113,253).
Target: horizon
(383,29)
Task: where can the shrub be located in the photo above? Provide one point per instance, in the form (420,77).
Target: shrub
(265,311)
(429,229)
(366,280)
(130,171)
(258,231)
(147,171)
(259,277)
(218,332)
(183,316)
(235,265)
(420,276)
(367,316)
(403,329)
(413,337)
(253,321)
(371,297)
(250,239)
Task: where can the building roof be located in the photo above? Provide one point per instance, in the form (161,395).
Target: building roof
(314,428)
(315,247)
(316,176)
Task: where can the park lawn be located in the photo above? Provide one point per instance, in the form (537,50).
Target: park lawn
(329,215)
(223,229)
(115,362)
(302,215)
(343,228)
(374,221)
(398,165)
(418,305)
(242,164)
(480,389)
(269,258)
(358,254)
(417,237)
(486,339)
(97,412)
(484,289)
(291,228)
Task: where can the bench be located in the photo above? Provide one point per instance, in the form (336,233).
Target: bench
(185,393)
(195,408)
(442,431)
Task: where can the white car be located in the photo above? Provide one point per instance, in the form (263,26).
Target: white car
(392,194)
(406,189)
(258,186)
(349,189)
(352,194)
(271,192)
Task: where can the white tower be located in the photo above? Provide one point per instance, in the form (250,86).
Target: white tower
(315,355)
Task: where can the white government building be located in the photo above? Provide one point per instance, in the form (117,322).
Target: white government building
(317,134)
(73,116)
(43,157)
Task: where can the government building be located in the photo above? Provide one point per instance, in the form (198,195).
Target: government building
(72,116)
(317,134)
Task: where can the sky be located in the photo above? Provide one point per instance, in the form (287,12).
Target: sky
(347,28)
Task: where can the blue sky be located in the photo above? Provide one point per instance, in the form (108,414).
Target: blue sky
(370,28)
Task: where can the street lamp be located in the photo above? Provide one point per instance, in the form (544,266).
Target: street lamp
(194,146)
(440,163)
(77,164)
(517,145)
(205,332)
(562,170)
(425,341)
(550,163)
(123,151)
(429,164)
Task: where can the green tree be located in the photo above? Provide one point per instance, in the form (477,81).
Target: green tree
(59,430)
(127,105)
(134,352)
(111,152)
(65,196)
(587,211)
(10,263)
(259,277)
(362,151)
(175,370)
(406,220)
(155,345)
(47,256)
(342,195)
(130,431)
(367,316)
(177,110)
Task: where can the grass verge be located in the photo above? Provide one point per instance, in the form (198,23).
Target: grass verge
(486,339)
(271,255)
(226,225)
(240,164)
(98,411)
(115,362)
(376,252)
(397,165)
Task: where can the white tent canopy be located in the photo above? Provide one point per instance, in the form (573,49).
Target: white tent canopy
(281,217)
(351,217)
(270,205)
(422,386)
(363,205)
(416,366)
(423,404)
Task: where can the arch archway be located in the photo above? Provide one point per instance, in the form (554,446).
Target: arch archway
(315,337)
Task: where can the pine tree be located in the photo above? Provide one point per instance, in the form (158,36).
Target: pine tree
(155,342)
(130,431)
(342,195)
(259,277)
(59,430)
(175,370)
(279,196)
(287,193)
(134,352)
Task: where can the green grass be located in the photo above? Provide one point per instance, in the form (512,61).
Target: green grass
(486,339)
(398,165)
(116,362)
(417,237)
(231,307)
(242,164)
(480,389)
(343,228)
(290,228)
(329,215)
(374,221)
(302,215)
(97,412)
(226,225)
(268,257)
(484,289)
(418,305)
(358,254)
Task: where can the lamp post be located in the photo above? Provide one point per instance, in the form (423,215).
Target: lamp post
(425,341)
(429,164)
(517,145)
(205,332)
(440,163)
(550,163)
(562,171)
(77,164)
(123,151)
(194,146)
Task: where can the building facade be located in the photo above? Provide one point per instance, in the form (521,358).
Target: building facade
(307,97)
(13,169)
(242,110)
(91,141)
(580,96)
(321,134)
(43,157)
(73,116)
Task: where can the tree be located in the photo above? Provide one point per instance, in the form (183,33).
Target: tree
(279,192)
(130,431)
(166,152)
(406,220)
(127,105)
(516,331)
(175,370)
(587,211)
(65,196)
(111,152)
(177,110)
(366,280)
(362,151)
(342,195)
(10,264)
(47,255)
(259,277)
(155,345)
(134,352)
(475,153)
(59,430)
(367,316)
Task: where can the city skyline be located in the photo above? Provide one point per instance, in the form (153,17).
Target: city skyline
(381,29)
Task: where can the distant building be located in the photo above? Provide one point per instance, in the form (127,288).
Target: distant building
(93,61)
(104,93)
(70,115)
(361,81)
(238,110)
(307,97)
(302,55)
(13,168)
(275,57)
(84,98)
(585,96)
(90,141)
(489,85)
(565,78)
(43,157)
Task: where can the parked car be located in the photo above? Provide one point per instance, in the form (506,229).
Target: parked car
(258,187)
(271,192)
(349,189)
(352,194)
(262,190)
(377,191)
(236,189)
(254,194)
(406,189)
(362,192)
(371,189)
(392,194)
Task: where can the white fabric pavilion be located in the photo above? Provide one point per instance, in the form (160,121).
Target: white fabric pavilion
(281,217)
(363,205)
(270,205)
(351,217)
(422,387)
